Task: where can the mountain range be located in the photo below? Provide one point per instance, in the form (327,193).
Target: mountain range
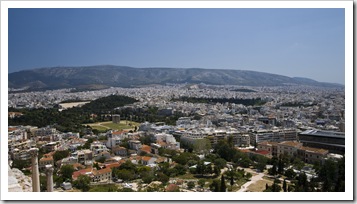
(102,76)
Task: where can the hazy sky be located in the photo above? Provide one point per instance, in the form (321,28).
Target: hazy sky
(291,42)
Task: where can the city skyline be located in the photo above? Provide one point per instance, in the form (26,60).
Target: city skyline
(291,42)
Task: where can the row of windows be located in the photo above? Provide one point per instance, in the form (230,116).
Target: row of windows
(323,139)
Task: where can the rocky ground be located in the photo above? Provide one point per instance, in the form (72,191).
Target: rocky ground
(18,181)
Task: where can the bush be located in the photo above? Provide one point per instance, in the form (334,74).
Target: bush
(190,184)
(82,182)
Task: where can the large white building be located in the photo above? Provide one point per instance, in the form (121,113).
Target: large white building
(115,138)
(97,147)
(274,135)
(215,135)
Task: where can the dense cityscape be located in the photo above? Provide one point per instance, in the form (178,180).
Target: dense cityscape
(182,100)
(178,138)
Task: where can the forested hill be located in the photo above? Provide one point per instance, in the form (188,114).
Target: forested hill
(70,120)
(95,77)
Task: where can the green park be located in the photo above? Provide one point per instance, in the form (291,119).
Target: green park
(122,125)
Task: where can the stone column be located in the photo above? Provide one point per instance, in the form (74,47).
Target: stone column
(49,175)
(35,171)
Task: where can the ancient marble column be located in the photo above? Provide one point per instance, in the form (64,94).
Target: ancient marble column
(49,175)
(35,171)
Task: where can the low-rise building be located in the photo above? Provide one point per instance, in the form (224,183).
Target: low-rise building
(120,151)
(145,148)
(288,148)
(270,147)
(115,138)
(83,156)
(45,160)
(101,175)
(312,155)
(98,147)
(135,144)
(51,146)
(275,135)
(104,154)
(146,160)
(293,149)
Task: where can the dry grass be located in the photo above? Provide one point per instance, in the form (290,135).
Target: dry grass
(103,126)
(259,186)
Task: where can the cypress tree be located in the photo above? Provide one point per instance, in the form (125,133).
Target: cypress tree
(223,184)
(215,185)
(232,182)
(280,169)
(285,186)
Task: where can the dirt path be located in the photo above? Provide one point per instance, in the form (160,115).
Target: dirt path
(254,179)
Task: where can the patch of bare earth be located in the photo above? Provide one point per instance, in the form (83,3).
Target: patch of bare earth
(259,186)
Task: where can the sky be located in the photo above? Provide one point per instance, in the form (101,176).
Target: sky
(292,42)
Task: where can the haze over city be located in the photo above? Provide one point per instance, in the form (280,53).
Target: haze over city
(291,42)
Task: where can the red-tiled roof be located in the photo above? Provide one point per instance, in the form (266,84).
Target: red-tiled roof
(113,165)
(136,157)
(146,158)
(162,143)
(103,171)
(146,148)
(264,152)
(46,159)
(81,172)
(11,129)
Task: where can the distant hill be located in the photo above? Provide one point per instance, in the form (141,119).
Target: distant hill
(102,76)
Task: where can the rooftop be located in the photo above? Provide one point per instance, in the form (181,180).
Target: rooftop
(146,148)
(46,159)
(146,158)
(268,143)
(291,143)
(315,150)
(323,133)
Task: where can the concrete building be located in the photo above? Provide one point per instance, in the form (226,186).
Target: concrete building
(312,155)
(135,144)
(97,147)
(102,175)
(44,161)
(270,147)
(45,131)
(293,149)
(275,135)
(120,151)
(289,148)
(115,138)
(332,141)
(84,156)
